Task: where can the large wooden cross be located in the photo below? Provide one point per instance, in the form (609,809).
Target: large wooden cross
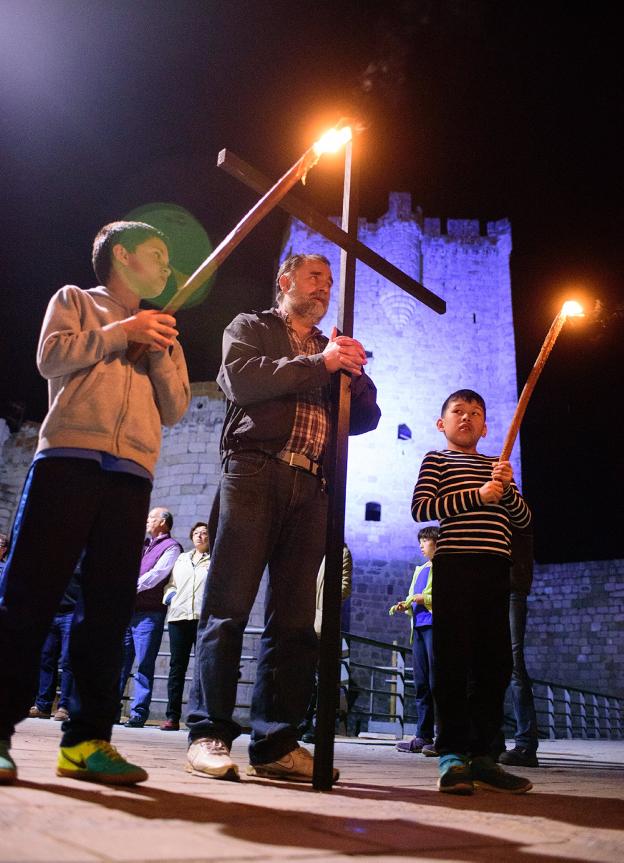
(352,251)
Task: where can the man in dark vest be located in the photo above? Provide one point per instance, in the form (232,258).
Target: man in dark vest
(144,633)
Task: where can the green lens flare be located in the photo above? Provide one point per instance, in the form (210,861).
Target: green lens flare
(188,243)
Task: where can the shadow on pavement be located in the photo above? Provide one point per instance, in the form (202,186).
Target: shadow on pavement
(264,825)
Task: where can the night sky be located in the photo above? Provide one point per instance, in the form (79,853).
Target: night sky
(479,109)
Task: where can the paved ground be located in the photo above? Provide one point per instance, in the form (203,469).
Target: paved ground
(385,807)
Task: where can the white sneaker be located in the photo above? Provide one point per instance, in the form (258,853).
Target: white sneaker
(208,756)
(296,766)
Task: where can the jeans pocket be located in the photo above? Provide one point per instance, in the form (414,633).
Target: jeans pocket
(246,464)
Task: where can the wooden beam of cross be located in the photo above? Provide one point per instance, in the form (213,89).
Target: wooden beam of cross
(300,209)
(351,251)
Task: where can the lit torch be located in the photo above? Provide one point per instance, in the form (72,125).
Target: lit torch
(330,142)
(570,309)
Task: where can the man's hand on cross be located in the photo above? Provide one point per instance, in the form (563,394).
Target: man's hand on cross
(345,353)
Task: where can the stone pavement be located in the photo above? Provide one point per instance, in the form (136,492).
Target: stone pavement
(385,807)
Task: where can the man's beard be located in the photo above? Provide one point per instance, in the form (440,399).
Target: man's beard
(310,308)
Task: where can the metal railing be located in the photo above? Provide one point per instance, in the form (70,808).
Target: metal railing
(569,712)
(381,696)
(377,694)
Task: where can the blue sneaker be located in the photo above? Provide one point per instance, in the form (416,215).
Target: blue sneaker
(455,775)
(8,770)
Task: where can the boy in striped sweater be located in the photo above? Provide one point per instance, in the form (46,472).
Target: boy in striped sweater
(475,500)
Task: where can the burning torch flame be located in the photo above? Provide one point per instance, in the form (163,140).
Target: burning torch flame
(572,309)
(332,140)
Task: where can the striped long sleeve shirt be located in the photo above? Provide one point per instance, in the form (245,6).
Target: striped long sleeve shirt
(448,491)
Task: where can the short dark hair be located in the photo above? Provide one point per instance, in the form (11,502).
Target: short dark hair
(465,395)
(195,526)
(429,532)
(292,263)
(167,517)
(129,234)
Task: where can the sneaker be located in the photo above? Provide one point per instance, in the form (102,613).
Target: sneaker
(134,722)
(455,775)
(487,774)
(296,766)
(98,761)
(8,770)
(35,713)
(429,749)
(414,745)
(61,715)
(170,725)
(208,756)
(309,736)
(519,757)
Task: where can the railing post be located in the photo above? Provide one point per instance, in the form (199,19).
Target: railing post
(392,700)
(550,713)
(618,717)
(595,717)
(567,714)
(345,677)
(400,693)
(582,716)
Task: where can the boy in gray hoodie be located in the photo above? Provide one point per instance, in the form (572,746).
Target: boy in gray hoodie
(88,489)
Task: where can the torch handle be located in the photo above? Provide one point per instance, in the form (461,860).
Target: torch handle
(205,270)
(529,386)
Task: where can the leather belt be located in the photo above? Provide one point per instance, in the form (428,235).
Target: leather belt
(300,461)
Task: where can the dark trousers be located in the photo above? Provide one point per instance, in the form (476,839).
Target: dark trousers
(55,647)
(270,514)
(182,636)
(69,505)
(521,688)
(471,649)
(422,660)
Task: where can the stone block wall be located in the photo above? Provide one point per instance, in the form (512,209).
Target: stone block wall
(575,630)
(187,474)
(16,454)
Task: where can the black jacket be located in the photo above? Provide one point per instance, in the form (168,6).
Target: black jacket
(261,379)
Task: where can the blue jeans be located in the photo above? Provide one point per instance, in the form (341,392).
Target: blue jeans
(56,645)
(422,659)
(270,514)
(521,689)
(142,640)
(71,505)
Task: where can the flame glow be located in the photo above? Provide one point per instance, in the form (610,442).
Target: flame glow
(572,309)
(332,140)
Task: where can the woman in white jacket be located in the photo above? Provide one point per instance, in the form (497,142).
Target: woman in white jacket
(183,594)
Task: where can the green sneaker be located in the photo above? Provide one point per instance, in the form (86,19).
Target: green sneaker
(455,776)
(8,770)
(487,774)
(98,761)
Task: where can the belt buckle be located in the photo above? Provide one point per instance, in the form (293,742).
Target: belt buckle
(302,462)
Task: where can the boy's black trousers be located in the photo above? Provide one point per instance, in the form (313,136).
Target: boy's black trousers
(71,505)
(471,649)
